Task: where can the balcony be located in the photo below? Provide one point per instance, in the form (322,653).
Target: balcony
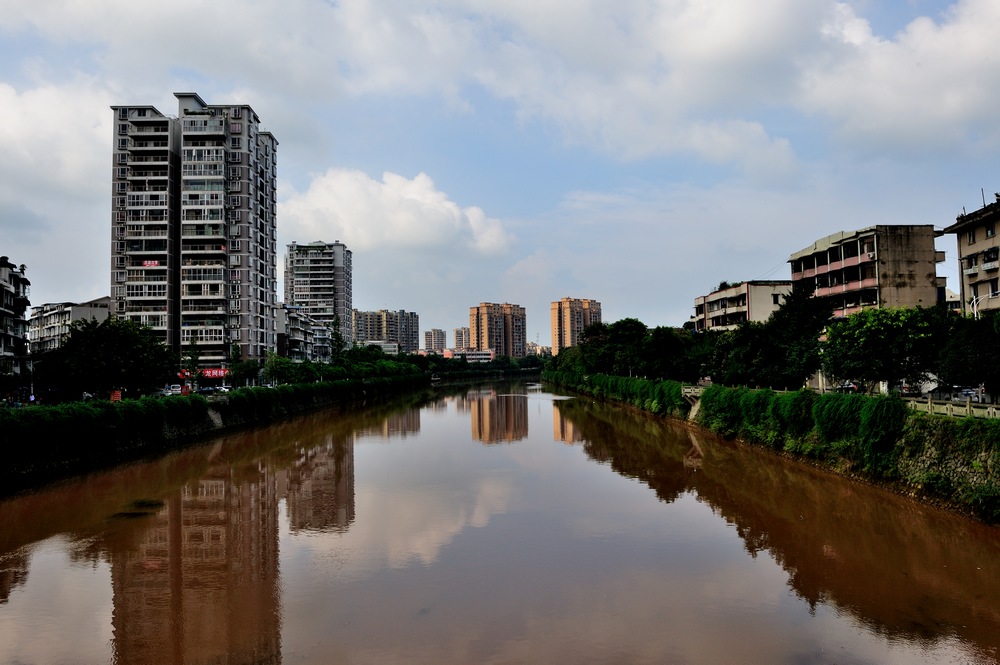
(991,265)
(971,271)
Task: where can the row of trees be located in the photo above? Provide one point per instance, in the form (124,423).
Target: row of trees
(97,358)
(895,345)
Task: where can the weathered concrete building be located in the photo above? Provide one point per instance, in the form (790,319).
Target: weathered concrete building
(727,307)
(978,258)
(877,266)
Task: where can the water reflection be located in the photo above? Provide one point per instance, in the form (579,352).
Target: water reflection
(317,541)
(903,569)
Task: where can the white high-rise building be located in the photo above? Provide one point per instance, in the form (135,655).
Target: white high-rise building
(318,279)
(193,228)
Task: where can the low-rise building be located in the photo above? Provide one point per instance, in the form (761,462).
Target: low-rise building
(296,332)
(732,304)
(978,258)
(14,292)
(49,324)
(877,266)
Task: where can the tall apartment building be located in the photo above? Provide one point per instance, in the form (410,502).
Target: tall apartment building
(570,316)
(397,326)
(978,258)
(498,327)
(318,279)
(49,323)
(462,341)
(877,266)
(435,340)
(193,229)
(727,307)
(14,291)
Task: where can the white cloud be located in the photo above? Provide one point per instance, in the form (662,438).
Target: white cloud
(394,213)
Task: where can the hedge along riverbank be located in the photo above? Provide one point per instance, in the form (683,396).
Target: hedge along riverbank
(947,460)
(662,398)
(44,443)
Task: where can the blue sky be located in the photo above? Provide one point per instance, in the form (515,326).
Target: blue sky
(633,151)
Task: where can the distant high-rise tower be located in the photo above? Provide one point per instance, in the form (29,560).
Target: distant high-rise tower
(193,228)
(570,316)
(500,327)
(397,326)
(318,279)
(461,339)
(435,340)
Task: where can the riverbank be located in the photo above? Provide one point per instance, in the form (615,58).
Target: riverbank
(950,462)
(43,444)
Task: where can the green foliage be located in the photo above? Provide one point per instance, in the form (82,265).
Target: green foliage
(97,358)
(837,416)
(882,422)
(885,344)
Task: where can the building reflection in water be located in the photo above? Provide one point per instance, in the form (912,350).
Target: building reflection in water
(13,572)
(202,584)
(321,488)
(397,425)
(199,580)
(498,418)
(564,429)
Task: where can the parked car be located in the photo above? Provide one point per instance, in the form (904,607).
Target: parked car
(848,387)
(965,395)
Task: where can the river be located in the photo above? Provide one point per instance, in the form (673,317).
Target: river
(495,524)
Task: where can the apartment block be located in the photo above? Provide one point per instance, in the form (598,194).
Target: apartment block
(49,324)
(978,258)
(397,326)
(435,340)
(193,247)
(498,327)
(877,266)
(462,339)
(296,333)
(570,316)
(14,292)
(318,279)
(732,304)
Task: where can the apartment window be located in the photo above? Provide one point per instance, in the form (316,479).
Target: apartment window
(121,187)
(235,143)
(122,158)
(991,230)
(121,172)
(122,144)
(972,237)
(234,260)
(123,114)
(776,298)
(119,275)
(236,246)
(123,128)
(236,112)
(141,113)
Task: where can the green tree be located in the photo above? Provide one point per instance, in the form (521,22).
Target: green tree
(96,358)
(886,344)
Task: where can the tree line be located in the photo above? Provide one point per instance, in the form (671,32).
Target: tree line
(898,346)
(98,358)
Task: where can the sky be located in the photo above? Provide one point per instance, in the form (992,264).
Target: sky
(635,152)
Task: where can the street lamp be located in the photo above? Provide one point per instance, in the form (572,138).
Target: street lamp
(975,303)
